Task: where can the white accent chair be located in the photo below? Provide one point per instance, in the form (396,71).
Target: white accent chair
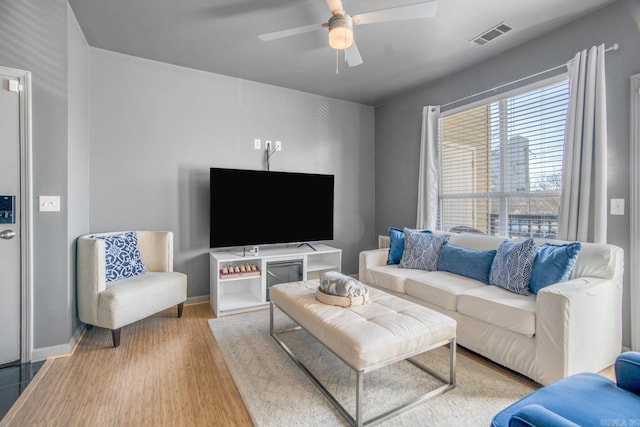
(118,303)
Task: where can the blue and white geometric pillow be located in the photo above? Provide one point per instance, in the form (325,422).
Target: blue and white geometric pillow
(512,266)
(122,256)
(422,250)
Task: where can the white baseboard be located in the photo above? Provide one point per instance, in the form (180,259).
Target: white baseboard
(42,353)
(193,300)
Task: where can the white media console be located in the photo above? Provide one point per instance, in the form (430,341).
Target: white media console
(234,292)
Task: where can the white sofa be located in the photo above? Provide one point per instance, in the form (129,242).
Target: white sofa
(118,303)
(566,328)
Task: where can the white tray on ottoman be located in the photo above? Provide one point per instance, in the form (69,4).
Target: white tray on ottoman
(386,330)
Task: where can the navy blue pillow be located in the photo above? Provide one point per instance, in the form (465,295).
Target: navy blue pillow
(122,256)
(466,262)
(396,247)
(553,264)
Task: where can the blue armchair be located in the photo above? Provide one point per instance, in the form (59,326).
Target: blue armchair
(585,399)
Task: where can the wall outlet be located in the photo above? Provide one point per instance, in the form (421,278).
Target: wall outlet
(278,145)
(256,144)
(267,145)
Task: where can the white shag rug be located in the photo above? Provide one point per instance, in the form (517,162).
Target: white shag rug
(278,393)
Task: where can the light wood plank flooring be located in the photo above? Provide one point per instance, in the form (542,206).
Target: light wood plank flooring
(167,371)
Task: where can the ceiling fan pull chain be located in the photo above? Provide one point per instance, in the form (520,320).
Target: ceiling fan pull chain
(337,62)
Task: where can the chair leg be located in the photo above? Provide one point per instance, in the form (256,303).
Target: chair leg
(180,306)
(115,334)
(89,327)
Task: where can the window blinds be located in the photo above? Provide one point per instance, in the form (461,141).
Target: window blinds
(501,164)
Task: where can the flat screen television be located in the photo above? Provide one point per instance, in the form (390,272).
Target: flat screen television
(251,207)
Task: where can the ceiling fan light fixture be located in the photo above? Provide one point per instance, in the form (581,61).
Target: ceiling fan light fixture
(340,31)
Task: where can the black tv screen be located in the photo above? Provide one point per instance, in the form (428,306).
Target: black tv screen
(250,207)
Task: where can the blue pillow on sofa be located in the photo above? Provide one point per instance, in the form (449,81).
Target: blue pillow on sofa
(466,262)
(122,256)
(396,245)
(512,265)
(553,264)
(422,250)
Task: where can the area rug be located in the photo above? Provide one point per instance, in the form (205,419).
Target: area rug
(276,392)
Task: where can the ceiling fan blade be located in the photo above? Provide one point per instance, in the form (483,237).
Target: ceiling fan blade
(353,55)
(334,5)
(290,32)
(425,9)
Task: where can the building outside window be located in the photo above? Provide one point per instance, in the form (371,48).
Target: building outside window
(501,163)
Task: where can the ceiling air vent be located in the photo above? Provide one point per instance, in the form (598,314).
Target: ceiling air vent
(491,34)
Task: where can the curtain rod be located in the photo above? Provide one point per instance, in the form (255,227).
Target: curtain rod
(614,46)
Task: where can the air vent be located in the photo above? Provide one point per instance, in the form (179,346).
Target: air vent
(491,34)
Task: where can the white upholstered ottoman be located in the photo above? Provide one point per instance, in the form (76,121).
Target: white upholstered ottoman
(386,330)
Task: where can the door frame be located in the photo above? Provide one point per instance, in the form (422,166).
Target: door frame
(26,211)
(634,255)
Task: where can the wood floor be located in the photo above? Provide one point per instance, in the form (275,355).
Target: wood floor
(167,371)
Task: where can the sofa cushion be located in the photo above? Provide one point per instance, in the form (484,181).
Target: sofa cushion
(512,265)
(440,288)
(422,250)
(390,277)
(466,262)
(396,244)
(129,300)
(501,308)
(553,264)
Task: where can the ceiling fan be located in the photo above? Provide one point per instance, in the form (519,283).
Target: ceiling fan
(340,25)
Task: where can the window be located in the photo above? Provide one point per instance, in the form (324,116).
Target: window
(501,164)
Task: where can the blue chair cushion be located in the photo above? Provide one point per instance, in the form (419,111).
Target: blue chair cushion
(585,399)
(466,262)
(553,264)
(396,245)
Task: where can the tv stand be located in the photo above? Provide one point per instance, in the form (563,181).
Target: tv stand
(306,244)
(243,291)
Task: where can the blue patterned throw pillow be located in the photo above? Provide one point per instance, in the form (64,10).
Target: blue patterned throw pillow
(422,250)
(122,256)
(553,264)
(512,266)
(396,244)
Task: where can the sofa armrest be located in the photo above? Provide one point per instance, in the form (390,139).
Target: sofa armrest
(627,369)
(91,277)
(578,327)
(536,415)
(370,259)
(156,250)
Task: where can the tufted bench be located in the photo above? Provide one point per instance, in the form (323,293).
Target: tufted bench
(386,330)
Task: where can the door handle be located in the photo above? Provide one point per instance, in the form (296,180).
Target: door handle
(7,234)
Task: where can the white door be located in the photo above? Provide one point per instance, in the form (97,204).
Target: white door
(10,250)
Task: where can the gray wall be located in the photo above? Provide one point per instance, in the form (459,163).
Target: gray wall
(77,151)
(33,37)
(398,121)
(156,129)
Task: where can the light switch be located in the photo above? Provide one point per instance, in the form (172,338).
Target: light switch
(49,203)
(617,206)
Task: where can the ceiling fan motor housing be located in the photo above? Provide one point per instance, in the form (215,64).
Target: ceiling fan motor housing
(340,31)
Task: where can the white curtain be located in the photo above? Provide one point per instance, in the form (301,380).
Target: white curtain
(583,204)
(429,164)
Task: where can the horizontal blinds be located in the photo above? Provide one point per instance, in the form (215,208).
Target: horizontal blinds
(501,164)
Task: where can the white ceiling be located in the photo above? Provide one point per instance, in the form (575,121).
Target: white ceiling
(220,36)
